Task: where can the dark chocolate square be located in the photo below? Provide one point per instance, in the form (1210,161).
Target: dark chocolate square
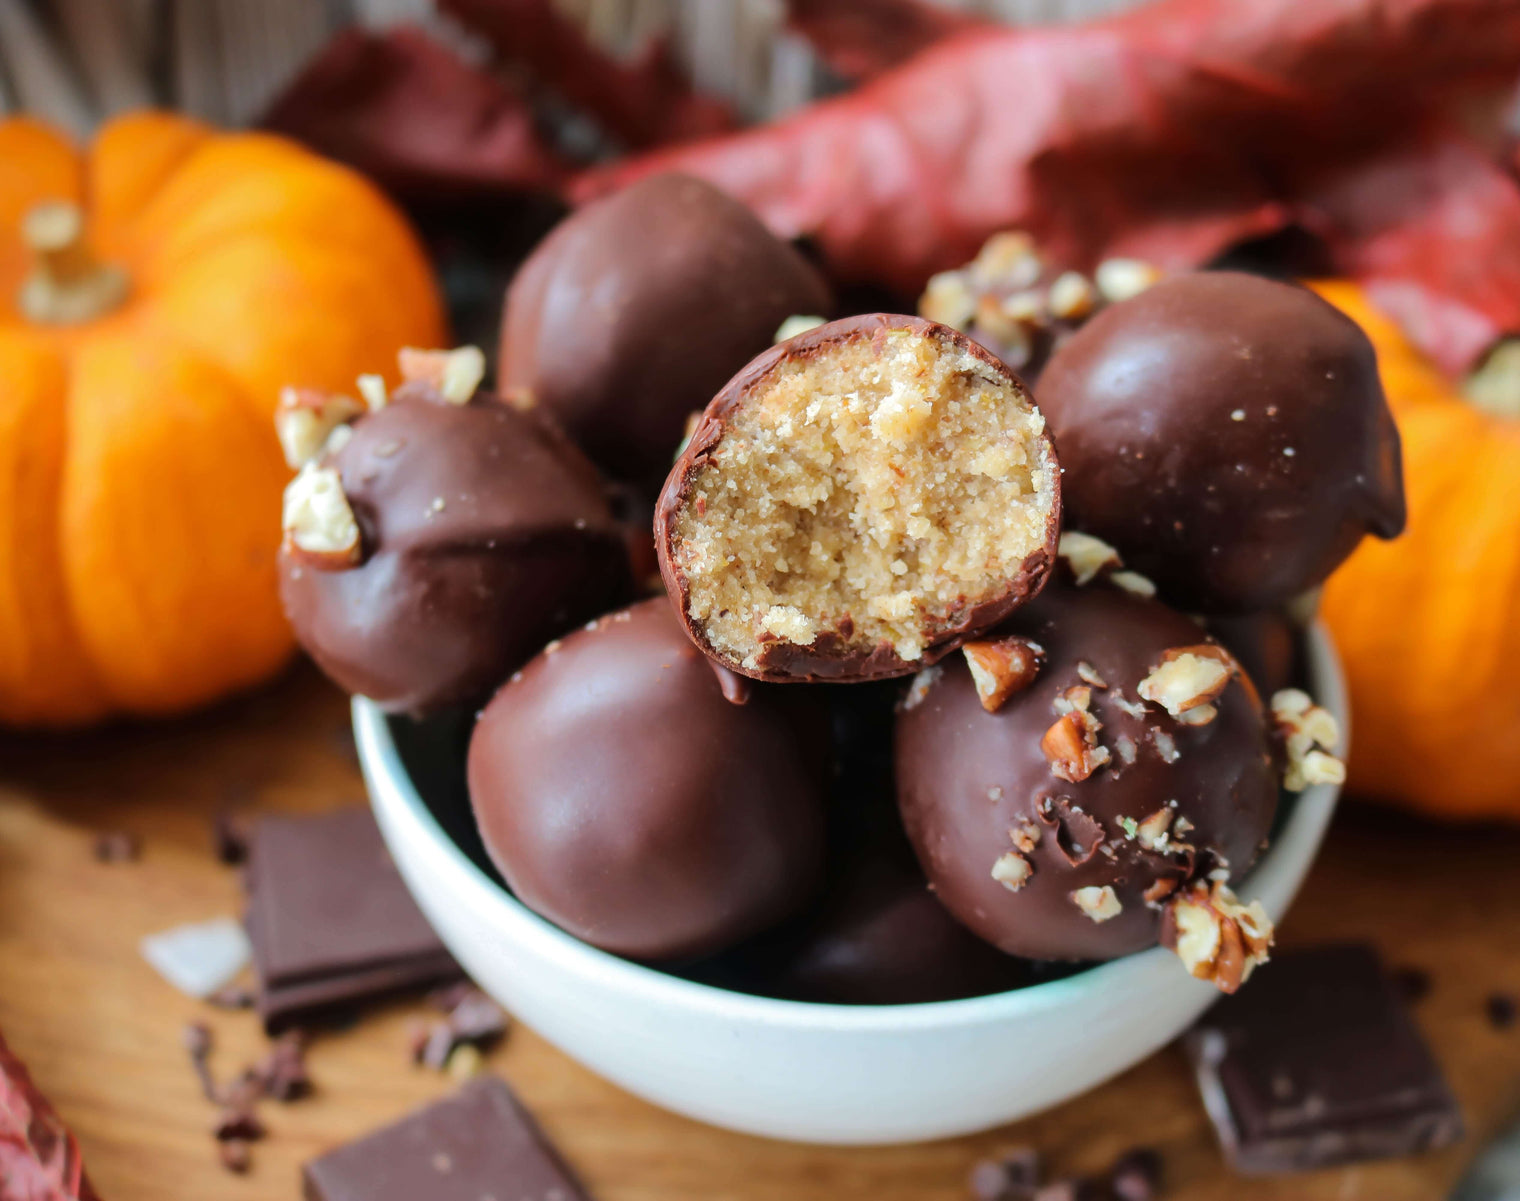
(330,920)
(478,1145)
(1317,1062)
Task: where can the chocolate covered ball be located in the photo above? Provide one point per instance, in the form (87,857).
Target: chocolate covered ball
(857,502)
(879,937)
(1266,645)
(638,307)
(1229,435)
(443,544)
(625,798)
(1129,759)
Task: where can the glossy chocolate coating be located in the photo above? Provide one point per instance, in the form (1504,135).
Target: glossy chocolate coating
(831,657)
(638,307)
(627,801)
(485,533)
(1266,645)
(1229,435)
(967,779)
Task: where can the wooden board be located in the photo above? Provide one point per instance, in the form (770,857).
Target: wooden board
(102,1033)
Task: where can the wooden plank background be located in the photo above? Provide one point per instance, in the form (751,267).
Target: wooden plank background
(102,1032)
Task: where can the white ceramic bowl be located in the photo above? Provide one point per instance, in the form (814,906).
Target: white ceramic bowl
(815,1073)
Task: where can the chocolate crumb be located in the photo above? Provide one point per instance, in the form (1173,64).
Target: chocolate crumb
(478,1020)
(229,838)
(240,1124)
(117,846)
(1012,1175)
(1413,983)
(1136,1175)
(1501,1011)
(446,1000)
(233,996)
(196,1038)
(234,1155)
(439,1043)
(1069,1190)
(283,1071)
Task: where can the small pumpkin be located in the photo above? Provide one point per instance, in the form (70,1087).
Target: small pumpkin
(1427,624)
(156,290)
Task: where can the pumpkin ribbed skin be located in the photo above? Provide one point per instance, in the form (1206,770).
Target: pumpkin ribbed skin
(138,464)
(1427,625)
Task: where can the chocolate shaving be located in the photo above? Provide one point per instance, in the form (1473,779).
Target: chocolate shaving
(197,1041)
(235,1155)
(116,846)
(283,1070)
(229,838)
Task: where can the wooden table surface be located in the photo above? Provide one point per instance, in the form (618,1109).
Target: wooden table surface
(101,1031)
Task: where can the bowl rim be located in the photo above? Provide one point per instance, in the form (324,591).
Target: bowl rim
(1274,880)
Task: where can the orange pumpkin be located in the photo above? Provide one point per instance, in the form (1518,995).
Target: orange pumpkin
(1427,624)
(156,290)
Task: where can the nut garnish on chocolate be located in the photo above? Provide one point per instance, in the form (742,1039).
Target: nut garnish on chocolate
(320,528)
(1309,734)
(1218,938)
(858,502)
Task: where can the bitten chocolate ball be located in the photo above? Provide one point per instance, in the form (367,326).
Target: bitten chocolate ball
(441,545)
(1229,435)
(1132,760)
(857,502)
(638,307)
(624,798)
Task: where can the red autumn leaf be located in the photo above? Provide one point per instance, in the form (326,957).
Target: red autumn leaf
(860,39)
(1167,133)
(39,1159)
(645,101)
(416,118)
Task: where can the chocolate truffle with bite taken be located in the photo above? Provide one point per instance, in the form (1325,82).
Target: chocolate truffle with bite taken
(1064,781)
(857,502)
(1228,435)
(638,307)
(625,797)
(437,543)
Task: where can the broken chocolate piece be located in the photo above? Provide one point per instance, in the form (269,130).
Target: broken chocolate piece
(1319,1063)
(471,1145)
(331,922)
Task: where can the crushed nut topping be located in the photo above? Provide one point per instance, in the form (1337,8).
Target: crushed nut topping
(1159,891)
(1310,735)
(305,418)
(918,690)
(456,374)
(1217,938)
(948,300)
(1071,296)
(1025,836)
(799,324)
(1012,871)
(1123,279)
(1071,745)
(1087,556)
(1125,747)
(1154,832)
(1133,708)
(1134,583)
(1088,674)
(320,528)
(1001,667)
(1077,698)
(1099,902)
(1188,678)
(1166,746)
(372,388)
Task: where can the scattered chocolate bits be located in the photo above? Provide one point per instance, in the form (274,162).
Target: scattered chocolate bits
(1015,1176)
(1136,1175)
(1011,1175)
(474,1021)
(283,1071)
(238,1124)
(235,1156)
(117,846)
(233,996)
(197,1041)
(229,838)
(1501,1011)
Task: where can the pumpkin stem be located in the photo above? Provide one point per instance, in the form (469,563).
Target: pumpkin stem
(68,285)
